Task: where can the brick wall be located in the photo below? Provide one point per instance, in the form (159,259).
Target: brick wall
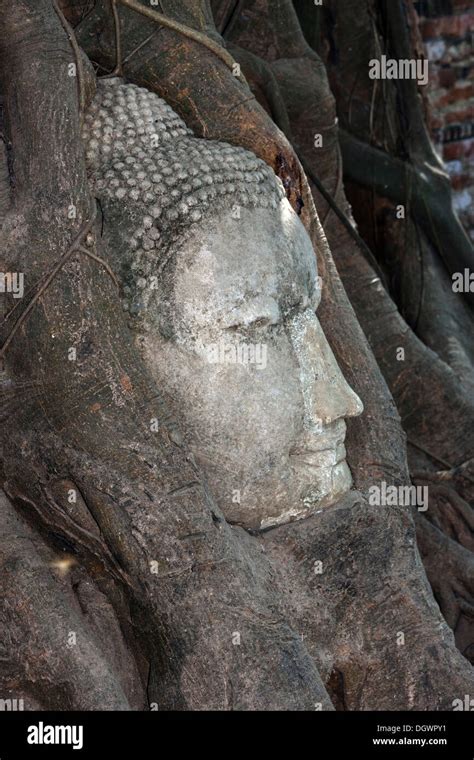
(447,28)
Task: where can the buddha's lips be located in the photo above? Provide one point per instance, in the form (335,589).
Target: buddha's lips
(314,451)
(313,458)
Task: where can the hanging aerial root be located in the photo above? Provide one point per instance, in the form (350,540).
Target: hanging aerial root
(118,68)
(334,206)
(77,54)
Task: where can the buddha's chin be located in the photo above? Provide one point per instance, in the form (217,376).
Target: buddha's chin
(318,489)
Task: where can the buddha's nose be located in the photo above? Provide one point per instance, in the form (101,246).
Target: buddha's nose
(327,396)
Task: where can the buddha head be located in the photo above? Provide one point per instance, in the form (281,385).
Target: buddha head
(220,283)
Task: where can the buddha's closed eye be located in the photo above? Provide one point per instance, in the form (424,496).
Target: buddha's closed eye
(255,313)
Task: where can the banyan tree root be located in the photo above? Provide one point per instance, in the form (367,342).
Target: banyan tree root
(450,570)
(448,511)
(88,425)
(62,644)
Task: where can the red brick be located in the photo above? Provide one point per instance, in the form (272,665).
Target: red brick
(459,116)
(447,26)
(456,95)
(458,150)
(445,77)
(461,181)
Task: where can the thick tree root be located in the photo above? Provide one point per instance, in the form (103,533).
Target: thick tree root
(450,570)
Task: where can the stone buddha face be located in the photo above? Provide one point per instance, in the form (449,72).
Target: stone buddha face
(221,286)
